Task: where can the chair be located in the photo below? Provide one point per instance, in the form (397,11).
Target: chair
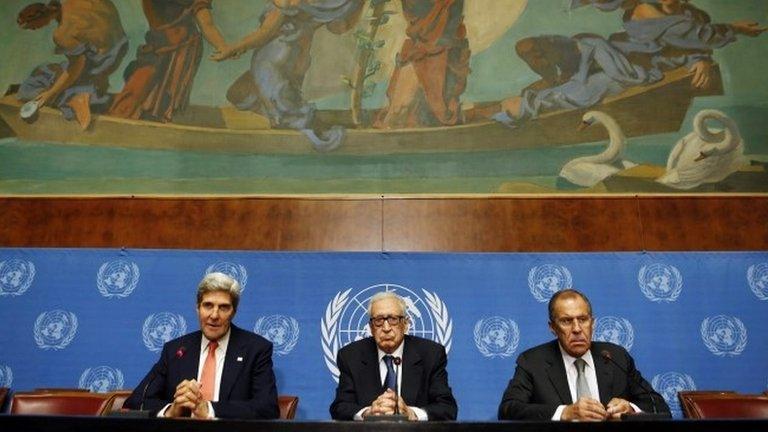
(61,403)
(119,399)
(3,397)
(287,405)
(728,405)
(686,396)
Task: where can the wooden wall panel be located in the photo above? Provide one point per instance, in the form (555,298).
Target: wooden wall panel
(572,224)
(237,223)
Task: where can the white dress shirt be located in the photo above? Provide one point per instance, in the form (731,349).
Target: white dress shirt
(421,415)
(220,353)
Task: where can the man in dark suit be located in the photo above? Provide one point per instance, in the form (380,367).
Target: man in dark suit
(220,371)
(368,376)
(550,377)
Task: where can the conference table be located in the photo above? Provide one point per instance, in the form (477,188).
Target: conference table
(116,424)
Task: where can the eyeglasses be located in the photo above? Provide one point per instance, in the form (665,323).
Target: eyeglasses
(393,320)
(568,322)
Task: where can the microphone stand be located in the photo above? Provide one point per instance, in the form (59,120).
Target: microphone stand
(642,416)
(396,417)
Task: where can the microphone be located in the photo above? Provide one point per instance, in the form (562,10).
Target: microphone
(397,361)
(634,377)
(152,375)
(396,417)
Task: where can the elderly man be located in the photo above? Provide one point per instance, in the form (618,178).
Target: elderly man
(369,384)
(220,371)
(573,378)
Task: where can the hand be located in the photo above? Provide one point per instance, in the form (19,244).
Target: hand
(185,399)
(746,27)
(227,52)
(43,98)
(201,410)
(702,74)
(585,409)
(402,408)
(383,405)
(617,407)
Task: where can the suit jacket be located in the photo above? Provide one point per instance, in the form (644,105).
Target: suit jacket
(540,384)
(247,389)
(424,379)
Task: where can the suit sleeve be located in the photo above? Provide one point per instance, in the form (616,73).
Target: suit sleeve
(155,383)
(345,405)
(262,403)
(517,401)
(442,405)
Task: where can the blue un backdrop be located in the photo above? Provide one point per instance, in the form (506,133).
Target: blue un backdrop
(97,318)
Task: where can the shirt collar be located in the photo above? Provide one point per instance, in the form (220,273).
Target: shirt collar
(223,341)
(398,352)
(569,359)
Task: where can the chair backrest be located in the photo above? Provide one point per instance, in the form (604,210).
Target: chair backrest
(287,405)
(686,396)
(61,403)
(722,406)
(119,399)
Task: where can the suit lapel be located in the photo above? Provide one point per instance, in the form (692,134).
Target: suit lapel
(557,376)
(604,377)
(411,372)
(233,363)
(190,361)
(371,376)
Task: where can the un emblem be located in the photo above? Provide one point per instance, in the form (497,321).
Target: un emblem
(615,330)
(235,271)
(161,327)
(281,330)
(346,319)
(757,276)
(6,376)
(496,336)
(724,335)
(669,384)
(117,279)
(545,280)
(16,277)
(660,282)
(55,329)
(101,379)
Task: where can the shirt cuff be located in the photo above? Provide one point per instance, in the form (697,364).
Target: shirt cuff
(558,413)
(635,407)
(421,415)
(161,413)
(359,415)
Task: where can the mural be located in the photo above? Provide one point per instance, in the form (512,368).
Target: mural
(383,96)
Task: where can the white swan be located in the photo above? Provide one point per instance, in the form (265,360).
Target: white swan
(704,155)
(588,171)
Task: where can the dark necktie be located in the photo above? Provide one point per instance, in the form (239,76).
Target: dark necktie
(390,381)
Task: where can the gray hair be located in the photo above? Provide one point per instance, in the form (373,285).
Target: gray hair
(388,295)
(219,282)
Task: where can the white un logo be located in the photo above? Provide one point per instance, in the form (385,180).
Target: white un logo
(161,327)
(235,271)
(615,330)
(101,379)
(16,277)
(55,329)
(724,335)
(545,280)
(6,376)
(496,336)
(346,319)
(117,279)
(757,276)
(668,384)
(282,331)
(660,282)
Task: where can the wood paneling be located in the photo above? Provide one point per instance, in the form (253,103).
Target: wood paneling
(391,224)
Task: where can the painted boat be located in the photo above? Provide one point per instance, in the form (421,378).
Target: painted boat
(653,109)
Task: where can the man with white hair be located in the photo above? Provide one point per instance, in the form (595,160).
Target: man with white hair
(219,371)
(370,383)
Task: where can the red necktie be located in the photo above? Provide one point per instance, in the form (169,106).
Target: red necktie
(208,378)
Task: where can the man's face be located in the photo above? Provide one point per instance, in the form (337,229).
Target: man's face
(388,337)
(572,324)
(215,312)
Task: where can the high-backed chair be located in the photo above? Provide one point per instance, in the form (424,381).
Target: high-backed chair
(722,406)
(287,405)
(685,397)
(61,403)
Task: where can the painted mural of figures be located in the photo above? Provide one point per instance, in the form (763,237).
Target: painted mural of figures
(158,83)
(658,36)
(280,61)
(92,38)
(431,68)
